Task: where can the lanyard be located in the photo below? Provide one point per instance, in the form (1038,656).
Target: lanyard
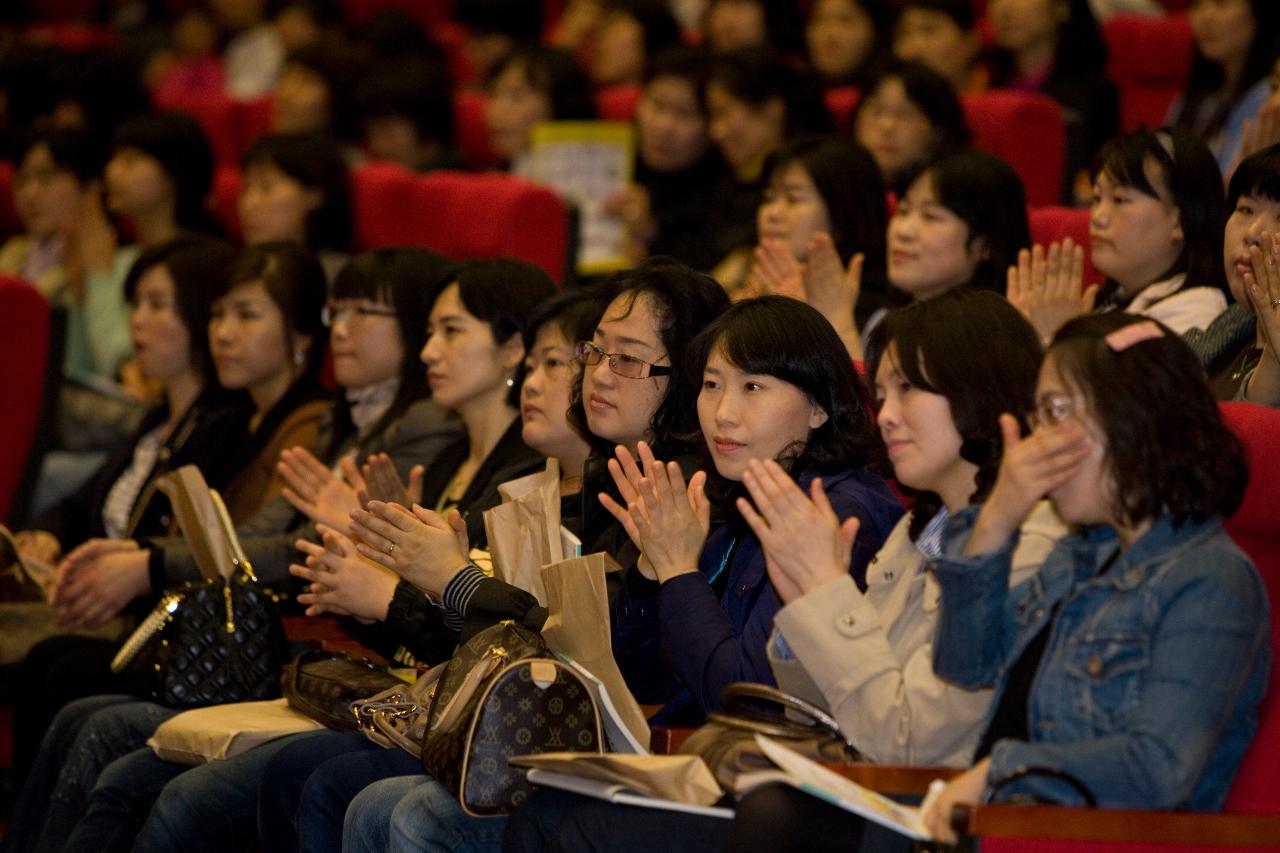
(724,560)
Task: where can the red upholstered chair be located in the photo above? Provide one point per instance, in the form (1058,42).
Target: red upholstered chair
(9,222)
(25,348)
(841,102)
(226,194)
(1149,59)
(483,216)
(1056,223)
(220,117)
(255,120)
(1027,130)
(389,208)
(617,103)
(470,131)
(1252,816)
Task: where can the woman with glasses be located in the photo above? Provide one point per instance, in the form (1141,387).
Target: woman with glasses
(1134,667)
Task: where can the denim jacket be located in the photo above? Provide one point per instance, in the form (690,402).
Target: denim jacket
(1148,689)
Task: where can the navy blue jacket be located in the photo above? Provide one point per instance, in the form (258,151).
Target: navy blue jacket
(711,644)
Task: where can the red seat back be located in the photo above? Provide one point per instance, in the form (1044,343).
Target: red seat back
(1027,130)
(617,103)
(220,117)
(24,356)
(388,207)
(1255,527)
(841,102)
(1050,224)
(470,131)
(226,196)
(9,221)
(1149,60)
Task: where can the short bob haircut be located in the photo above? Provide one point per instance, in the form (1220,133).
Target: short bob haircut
(788,339)
(848,181)
(933,96)
(685,301)
(176,142)
(1168,451)
(316,162)
(407,280)
(755,76)
(199,267)
(574,312)
(686,63)
(1257,176)
(976,350)
(556,74)
(502,294)
(295,281)
(71,151)
(987,194)
(1193,183)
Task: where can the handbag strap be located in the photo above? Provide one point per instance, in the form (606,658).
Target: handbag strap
(1053,773)
(198,517)
(738,699)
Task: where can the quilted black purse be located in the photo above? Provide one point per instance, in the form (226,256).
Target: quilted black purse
(504,693)
(215,640)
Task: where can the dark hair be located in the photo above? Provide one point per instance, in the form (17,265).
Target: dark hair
(1206,78)
(316,162)
(880,15)
(1080,53)
(684,301)
(690,64)
(782,23)
(1168,451)
(556,73)
(976,350)
(846,177)
(177,143)
(199,266)
(986,193)
(71,150)
(786,338)
(502,294)
(960,11)
(1191,175)
(757,76)
(574,312)
(519,19)
(934,96)
(296,283)
(660,28)
(1258,175)
(408,280)
(410,88)
(338,64)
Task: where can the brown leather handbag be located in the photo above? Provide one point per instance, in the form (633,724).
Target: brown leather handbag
(504,693)
(727,740)
(327,685)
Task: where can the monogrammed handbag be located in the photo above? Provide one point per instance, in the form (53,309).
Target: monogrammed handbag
(504,694)
(215,640)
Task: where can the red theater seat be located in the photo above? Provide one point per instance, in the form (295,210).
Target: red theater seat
(388,207)
(1027,130)
(469,130)
(220,117)
(1050,224)
(617,103)
(1149,59)
(25,337)
(226,194)
(841,102)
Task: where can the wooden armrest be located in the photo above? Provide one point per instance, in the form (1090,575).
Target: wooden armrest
(1116,826)
(665,740)
(893,779)
(325,632)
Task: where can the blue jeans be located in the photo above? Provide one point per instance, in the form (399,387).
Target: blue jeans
(143,803)
(416,813)
(307,787)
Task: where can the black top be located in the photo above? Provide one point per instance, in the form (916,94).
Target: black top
(683,205)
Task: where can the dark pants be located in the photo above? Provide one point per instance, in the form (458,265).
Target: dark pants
(308,785)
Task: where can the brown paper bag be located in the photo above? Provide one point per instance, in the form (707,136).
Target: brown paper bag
(217,732)
(578,628)
(524,531)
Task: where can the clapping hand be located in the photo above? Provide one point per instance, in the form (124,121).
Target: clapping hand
(805,544)
(1047,287)
(382,482)
(666,519)
(314,490)
(342,582)
(418,545)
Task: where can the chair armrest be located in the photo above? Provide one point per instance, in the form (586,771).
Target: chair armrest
(665,740)
(894,779)
(1116,826)
(326,633)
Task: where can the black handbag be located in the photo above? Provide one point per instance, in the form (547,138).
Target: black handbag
(504,693)
(727,741)
(326,685)
(215,640)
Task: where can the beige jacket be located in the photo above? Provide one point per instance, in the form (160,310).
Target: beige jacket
(869,658)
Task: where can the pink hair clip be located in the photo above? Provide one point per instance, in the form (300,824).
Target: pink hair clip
(1134,333)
